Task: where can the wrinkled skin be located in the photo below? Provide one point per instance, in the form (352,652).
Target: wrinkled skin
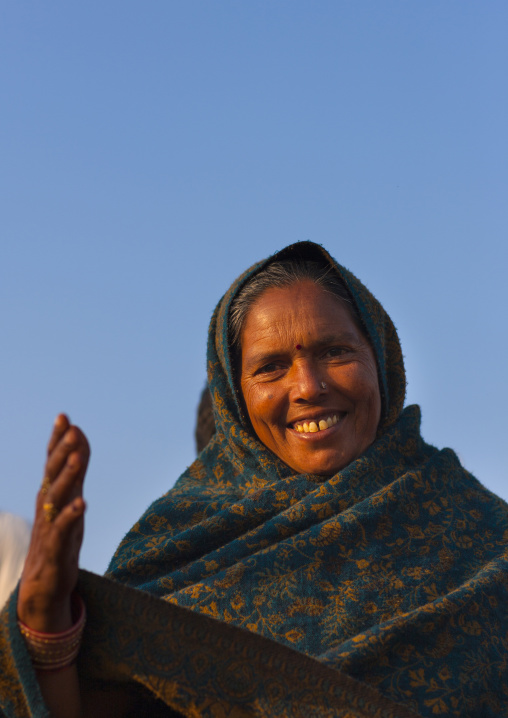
(295,341)
(51,566)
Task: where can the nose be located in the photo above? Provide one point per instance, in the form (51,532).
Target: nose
(307,384)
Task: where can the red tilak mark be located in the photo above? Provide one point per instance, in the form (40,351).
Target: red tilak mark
(298,346)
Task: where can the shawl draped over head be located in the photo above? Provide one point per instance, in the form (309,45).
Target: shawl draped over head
(379,591)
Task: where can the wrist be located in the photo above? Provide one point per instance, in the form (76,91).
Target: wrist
(43,613)
(55,651)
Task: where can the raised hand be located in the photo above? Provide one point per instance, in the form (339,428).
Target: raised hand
(51,567)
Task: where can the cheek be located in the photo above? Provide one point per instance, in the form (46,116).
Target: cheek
(369,398)
(361,384)
(356,381)
(259,403)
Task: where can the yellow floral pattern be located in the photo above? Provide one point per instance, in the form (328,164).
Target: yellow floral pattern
(393,571)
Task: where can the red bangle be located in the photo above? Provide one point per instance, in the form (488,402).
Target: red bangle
(54,651)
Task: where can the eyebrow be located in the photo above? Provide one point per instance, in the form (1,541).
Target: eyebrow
(339,337)
(327,339)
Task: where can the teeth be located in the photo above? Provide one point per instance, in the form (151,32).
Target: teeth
(312,426)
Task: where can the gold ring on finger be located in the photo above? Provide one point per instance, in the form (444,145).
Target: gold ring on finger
(46,483)
(50,512)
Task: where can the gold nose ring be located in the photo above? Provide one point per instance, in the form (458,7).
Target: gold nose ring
(50,512)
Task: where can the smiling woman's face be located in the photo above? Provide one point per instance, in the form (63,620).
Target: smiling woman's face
(309,379)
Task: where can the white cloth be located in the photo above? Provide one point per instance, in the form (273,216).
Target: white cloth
(14,540)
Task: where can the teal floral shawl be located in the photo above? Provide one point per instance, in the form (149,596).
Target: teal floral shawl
(380,591)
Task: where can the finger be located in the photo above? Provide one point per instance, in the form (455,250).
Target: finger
(63,545)
(59,428)
(69,525)
(48,541)
(69,483)
(50,575)
(73,439)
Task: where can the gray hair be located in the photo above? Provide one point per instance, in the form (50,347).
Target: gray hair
(284,273)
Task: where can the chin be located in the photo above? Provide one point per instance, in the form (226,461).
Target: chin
(323,467)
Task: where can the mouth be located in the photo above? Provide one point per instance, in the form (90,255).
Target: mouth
(316,424)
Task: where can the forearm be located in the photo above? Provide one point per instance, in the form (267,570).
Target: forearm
(61,692)
(65,698)
(50,615)
(53,638)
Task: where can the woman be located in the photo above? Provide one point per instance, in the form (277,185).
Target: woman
(318,558)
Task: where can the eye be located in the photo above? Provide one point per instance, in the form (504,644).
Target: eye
(336,352)
(268,368)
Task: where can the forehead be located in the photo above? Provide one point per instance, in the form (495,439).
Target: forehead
(302,313)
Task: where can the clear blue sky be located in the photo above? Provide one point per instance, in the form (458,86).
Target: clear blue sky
(150,152)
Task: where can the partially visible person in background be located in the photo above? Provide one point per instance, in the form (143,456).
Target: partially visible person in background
(14,540)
